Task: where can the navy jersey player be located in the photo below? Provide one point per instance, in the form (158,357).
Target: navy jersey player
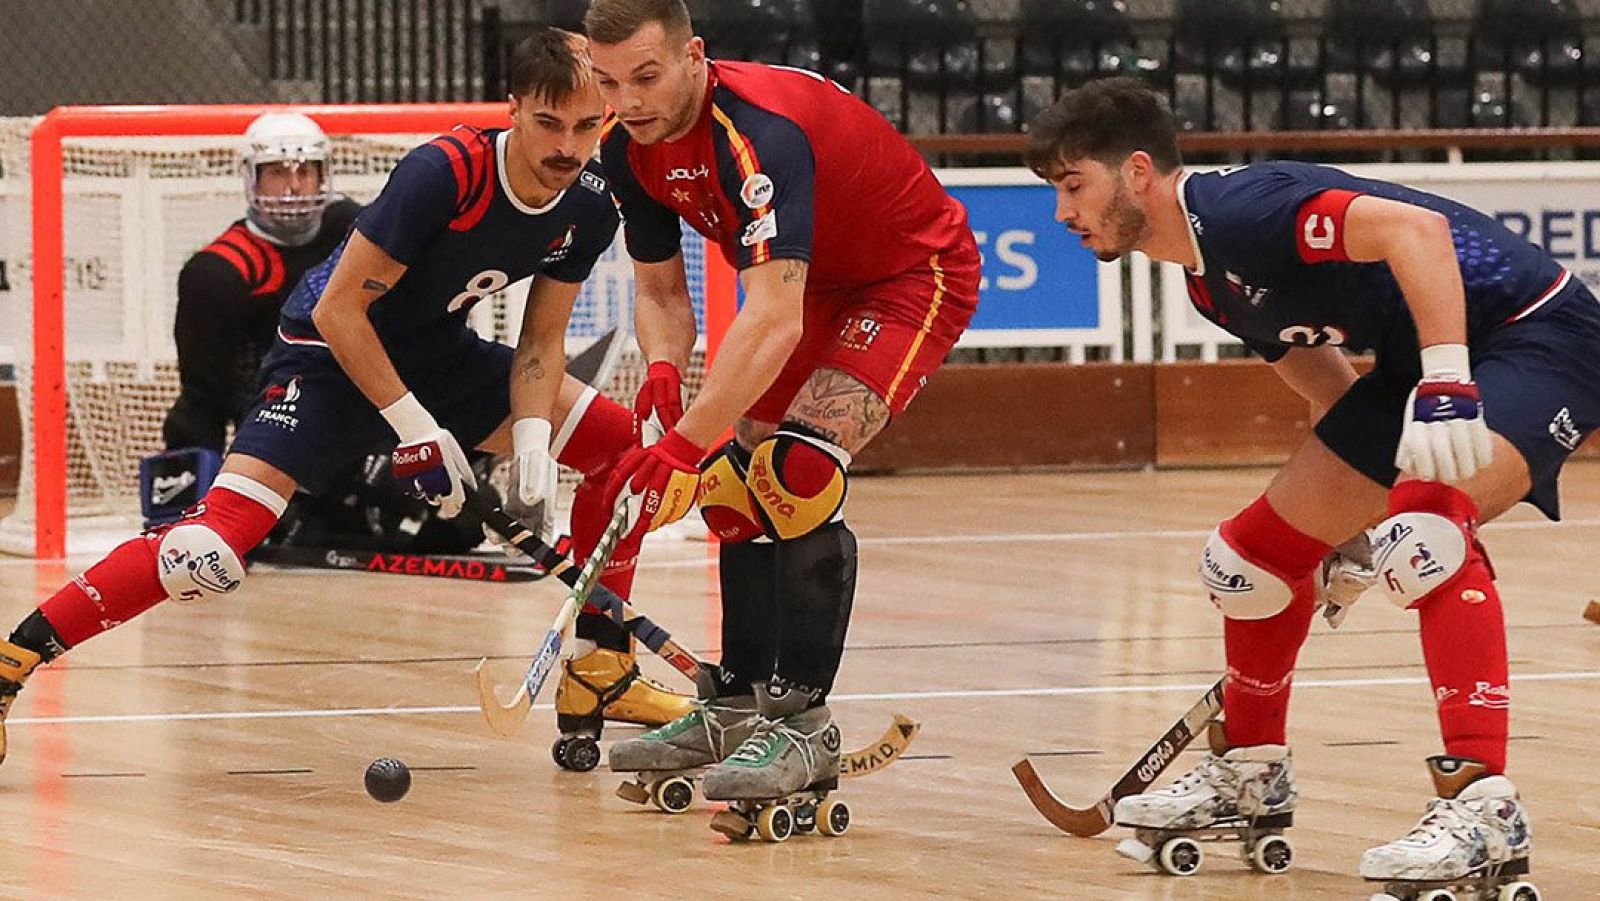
(1487,377)
(374,352)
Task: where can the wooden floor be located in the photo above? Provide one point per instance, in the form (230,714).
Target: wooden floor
(207,752)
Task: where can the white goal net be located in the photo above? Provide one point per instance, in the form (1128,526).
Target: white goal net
(134,210)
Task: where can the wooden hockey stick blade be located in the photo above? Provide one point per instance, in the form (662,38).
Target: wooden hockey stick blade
(884,751)
(1087,822)
(505,719)
(1150,766)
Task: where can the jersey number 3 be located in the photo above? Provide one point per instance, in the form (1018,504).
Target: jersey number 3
(478,287)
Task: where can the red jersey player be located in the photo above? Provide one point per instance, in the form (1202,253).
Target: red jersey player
(859,274)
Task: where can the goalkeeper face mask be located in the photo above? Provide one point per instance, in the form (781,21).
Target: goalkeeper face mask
(285,176)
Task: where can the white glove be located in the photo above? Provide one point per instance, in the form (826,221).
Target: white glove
(428,463)
(1444,437)
(1345,575)
(536,469)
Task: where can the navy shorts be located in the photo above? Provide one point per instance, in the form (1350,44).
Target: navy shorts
(312,422)
(1540,383)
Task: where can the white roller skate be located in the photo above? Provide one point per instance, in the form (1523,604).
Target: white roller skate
(1243,794)
(1473,843)
(667,762)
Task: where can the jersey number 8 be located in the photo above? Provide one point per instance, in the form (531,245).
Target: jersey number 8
(478,287)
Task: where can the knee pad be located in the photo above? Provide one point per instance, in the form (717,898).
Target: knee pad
(726,504)
(1415,553)
(798,479)
(195,564)
(1238,586)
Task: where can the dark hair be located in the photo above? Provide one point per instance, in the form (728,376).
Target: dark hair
(550,64)
(1104,120)
(614,21)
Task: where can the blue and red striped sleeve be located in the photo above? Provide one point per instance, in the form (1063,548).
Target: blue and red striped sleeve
(418,201)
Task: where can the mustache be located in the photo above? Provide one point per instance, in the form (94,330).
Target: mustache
(561,162)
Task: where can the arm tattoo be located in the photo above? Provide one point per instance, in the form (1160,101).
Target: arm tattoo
(531,369)
(794,271)
(373,284)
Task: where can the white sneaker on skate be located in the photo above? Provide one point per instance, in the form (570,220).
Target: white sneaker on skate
(1483,829)
(1245,782)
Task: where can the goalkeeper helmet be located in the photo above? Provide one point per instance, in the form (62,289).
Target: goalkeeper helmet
(285,175)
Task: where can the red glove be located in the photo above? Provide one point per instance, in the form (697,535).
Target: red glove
(660,398)
(658,483)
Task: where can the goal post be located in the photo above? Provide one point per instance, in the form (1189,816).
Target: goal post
(44,502)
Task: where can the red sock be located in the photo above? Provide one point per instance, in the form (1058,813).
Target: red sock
(124,584)
(1463,636)
(596,434)
(1261,652)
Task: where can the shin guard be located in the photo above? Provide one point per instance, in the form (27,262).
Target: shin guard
(1261,652)
(1463,635)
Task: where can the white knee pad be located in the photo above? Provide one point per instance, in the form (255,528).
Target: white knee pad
(1414,553)
(1239,588)
(195,564)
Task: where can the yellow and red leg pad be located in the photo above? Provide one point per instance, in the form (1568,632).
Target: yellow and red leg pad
(799,480)
(729,509)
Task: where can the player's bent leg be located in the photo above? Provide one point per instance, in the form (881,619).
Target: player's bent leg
(1259,571)
(602,680)
(719,724)
(747,572)
(798,478)
(1428,558)
(196,559)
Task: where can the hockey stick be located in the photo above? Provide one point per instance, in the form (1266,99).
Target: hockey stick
(559,565)
(506,717)
(1097,818)
(864,761)
(444,566)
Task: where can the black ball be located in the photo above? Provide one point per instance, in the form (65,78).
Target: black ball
(387,779)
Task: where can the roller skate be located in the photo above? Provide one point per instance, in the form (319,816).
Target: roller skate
(1240,794)
(667,762)
(15,665)
(602,685)
(779,779)
(1473,842)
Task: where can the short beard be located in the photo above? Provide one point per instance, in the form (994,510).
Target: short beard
(1129,224)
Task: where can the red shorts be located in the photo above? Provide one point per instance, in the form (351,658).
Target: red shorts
(889,335)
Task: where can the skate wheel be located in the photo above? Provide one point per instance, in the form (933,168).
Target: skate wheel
(1520,891)
(775,823)
(1272,854)
(732,825)
(633,793)
(674,795)
(580,754)
(833,818)
(1437,894)
(558,752)
(1180,856)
